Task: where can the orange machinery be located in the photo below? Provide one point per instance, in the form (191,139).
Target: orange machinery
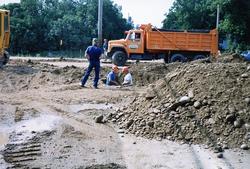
(147,43)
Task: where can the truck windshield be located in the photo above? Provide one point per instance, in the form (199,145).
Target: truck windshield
(6,23)
(135,36)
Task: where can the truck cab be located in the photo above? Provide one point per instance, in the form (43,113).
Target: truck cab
(4,36)
(121,50)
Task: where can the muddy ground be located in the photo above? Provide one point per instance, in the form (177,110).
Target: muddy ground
(48,121)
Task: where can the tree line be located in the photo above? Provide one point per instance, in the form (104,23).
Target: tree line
(201,14)
(52,25)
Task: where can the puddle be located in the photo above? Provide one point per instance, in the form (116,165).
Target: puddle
(27,129)
(89,106)
(166,154)
(3,139)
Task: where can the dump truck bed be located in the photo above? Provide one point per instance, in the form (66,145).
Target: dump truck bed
(182,41)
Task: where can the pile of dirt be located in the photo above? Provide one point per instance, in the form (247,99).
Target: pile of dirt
(147,73)
(197,102)
(24,75)
(230,58)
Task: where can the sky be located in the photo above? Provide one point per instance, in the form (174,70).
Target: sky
(141,11)
(145,11)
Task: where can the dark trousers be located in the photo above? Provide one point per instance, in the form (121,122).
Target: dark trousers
(96,66)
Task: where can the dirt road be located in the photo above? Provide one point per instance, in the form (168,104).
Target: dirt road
(48,121)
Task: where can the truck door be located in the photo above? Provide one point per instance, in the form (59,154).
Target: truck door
(135,43)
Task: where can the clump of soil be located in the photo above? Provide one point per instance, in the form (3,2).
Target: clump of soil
(195,102)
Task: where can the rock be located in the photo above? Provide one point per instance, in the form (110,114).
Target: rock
(238,123)
(156,111)
(197,104)
(245,75)
(159,139)
(230,118)
(247,126)
(120,131)
(225,146)
(220,155)
(129,123)
(99,119)
(248,67)
(218,149)
(191,93)
(169,138)
(167,105)
(211,121)
(184,99)
(190,114)
(150,95)
(151,124)
(244,147)
(247,137)
(247,100)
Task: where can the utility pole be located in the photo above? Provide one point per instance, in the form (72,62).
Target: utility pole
(218,16)
(100,11)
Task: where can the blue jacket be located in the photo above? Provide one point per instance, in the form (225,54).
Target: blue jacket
(110,77)
(94,53)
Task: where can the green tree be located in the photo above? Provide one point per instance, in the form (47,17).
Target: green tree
(40,25)
(201,14)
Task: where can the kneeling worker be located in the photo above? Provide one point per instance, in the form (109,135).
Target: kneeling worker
(127,78)
(112,77)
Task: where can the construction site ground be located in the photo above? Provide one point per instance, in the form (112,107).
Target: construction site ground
(47,120)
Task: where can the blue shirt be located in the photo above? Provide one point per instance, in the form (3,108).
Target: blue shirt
(94,53)
(110,77)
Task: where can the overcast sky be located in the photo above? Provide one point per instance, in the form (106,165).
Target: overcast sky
(145,11)
(141,11)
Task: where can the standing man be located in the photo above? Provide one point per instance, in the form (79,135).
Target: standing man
(105,48)
(105,45)
(93,54)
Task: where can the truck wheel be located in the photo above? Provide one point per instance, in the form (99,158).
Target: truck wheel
(119,58)
(6,58)
(178,58)
(197,57)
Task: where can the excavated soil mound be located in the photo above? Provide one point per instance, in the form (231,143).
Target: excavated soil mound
(230,58)
(147,73)
(196,102)
(24,75)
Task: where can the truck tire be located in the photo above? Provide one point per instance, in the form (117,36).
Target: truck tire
(197,57)
(178,58)
(119,58)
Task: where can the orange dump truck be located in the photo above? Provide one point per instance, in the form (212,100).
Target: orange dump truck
(147,43)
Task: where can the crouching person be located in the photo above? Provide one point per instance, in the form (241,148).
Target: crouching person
(128,81)
(112,77)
